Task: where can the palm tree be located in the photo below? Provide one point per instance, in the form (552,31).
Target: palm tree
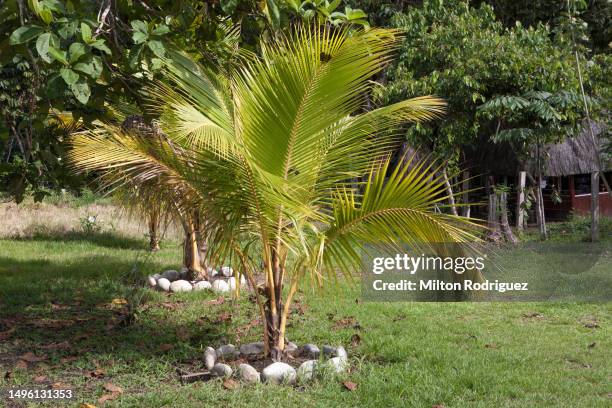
(271,154)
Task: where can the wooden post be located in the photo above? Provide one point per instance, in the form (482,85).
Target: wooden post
(595,206)
(520,201)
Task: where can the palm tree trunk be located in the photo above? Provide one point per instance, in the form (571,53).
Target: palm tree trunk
(191,253)
(154,218)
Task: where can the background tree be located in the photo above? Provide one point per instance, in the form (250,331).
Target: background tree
(464,54)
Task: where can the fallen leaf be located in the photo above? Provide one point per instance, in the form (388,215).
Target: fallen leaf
(345,322)
(59,385)
(349,385)
(119,301)
(355,340)
(224,317)
(97,373)
(230,384)
(399,317)
(32,358)
(592,345)
(438,406)
(166,347)
(532,315)
(8,375)
(21,365)
(218,301)
(40,379)
(85,405)
(491,346)
(113,388)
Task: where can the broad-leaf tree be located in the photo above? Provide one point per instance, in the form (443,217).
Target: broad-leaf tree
(270,156)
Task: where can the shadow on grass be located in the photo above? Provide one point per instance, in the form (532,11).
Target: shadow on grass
(107,239)
(44,304)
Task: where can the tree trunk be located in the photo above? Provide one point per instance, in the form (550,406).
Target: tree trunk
(449,193)
(520,202)
(191,255)
(595,206)
(505,225)
(465,187)
(273,307)
(154,218)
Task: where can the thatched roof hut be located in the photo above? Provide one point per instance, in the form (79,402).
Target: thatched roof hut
(577,155)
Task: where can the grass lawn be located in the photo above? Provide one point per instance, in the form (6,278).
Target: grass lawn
(56,301)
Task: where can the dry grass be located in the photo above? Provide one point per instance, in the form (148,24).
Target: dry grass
(30,219)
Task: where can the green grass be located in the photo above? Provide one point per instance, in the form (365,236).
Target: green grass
(410,354)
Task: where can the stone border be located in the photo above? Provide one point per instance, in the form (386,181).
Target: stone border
(221,281)
(330,359)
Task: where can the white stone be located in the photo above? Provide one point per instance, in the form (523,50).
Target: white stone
(180,286)
(227,351)
(252,348)
(248,374)
(164,284)
(337,364)
(220,286)
(311,351)
(222,370)
(171,275)
(341,353)
(214,272)
(306,371)
(210,358)
(202,285)
(329,351)
(291,347)
(278,373)
(152,281)
(227,271)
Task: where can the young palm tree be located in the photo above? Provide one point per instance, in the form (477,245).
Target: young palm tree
(270,157)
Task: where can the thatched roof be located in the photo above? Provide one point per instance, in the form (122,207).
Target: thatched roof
(577,155)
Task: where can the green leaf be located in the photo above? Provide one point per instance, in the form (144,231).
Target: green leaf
(86,33)
(273,13)
(76,51)
(81,91)
(58,55)
(25,34)
(99,45)
(92,67)
(139,37)
(161,29)
(42,46)
(139,25)
(158,48)
(68,29)
(134,56)
(229,6)
(69,76)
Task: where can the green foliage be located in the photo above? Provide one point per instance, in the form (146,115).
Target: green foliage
(466,56)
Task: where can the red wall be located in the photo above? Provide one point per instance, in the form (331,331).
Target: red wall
(582,204)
